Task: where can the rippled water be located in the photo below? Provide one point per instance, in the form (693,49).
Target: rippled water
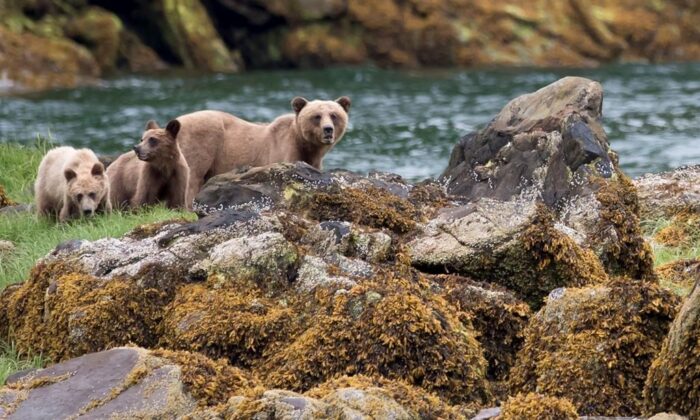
(403,122)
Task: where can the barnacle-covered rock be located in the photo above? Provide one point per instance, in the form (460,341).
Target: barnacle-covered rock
(673,383)
(594,346)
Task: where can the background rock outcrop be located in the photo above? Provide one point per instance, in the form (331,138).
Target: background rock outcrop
(229,35)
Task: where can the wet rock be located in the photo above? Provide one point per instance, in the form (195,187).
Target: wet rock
(550,147)
(513,243)
(536,406)
(594,346)
(26,58)
(487,413)
(118,382)
(674,377)
(667,416)
(17,208)
(190,33)
(667,193)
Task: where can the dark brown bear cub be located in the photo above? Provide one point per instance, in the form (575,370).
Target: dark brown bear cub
(156,171)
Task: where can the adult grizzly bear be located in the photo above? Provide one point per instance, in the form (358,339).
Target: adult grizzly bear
(215,142)
(71,183)
(155,171)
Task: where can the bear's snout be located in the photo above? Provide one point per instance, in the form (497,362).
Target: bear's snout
(327,130)
(88,212)
(137,149)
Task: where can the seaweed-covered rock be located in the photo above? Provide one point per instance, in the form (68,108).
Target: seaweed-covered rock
(550,146)
(680,275)
(121,382)
(378,201)
(496,314)
(513,243)
(594,346)
(389,326)
(536,406)
(673,383)
(5,201)
(665,194)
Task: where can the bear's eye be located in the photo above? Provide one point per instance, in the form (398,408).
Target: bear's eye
(152,141)
(92,195)
(317,118)
(334,116)
(79,197)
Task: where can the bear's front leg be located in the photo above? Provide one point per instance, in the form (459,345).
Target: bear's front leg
(65,212)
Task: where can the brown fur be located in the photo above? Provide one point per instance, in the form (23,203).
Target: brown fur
(71,183)
(156,171)
(215,142)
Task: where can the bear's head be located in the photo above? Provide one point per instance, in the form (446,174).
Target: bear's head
(158,145)
(322,122)
(87,189)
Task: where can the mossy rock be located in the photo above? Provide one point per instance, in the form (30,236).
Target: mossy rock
(190,33)
(101,31)
(26,58)
(535,406)
(594,346)
(393,327)
(673,383)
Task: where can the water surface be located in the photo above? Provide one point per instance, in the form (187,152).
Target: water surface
(402,122)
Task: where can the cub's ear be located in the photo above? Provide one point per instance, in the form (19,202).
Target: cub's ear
(69,174)
(298,104)
(98,169)
(151,125)
(173,128)
(345,102)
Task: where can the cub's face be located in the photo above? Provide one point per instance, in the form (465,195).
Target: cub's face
(322,122)
(87,190)
(158,143)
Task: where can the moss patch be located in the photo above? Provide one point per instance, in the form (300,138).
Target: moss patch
(536,406)
(594,346)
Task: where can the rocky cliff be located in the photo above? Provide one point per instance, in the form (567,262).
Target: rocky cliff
(46,44)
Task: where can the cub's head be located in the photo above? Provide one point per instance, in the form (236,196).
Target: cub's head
(158,144)
(87,189)
(322,122)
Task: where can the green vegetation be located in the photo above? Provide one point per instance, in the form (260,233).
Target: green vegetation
(34,237)
(11,361)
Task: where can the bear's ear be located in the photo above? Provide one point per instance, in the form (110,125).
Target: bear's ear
(98,169)
(298,104)
(173,128)
(69,174)
(345,102)
(151,125)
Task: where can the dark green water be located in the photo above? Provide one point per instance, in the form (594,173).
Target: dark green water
(402,122)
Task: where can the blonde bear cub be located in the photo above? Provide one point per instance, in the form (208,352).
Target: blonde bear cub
(71,183)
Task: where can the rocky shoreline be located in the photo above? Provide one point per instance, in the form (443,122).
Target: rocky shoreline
(519,279)
(53,44)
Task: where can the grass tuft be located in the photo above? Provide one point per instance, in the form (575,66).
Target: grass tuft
(12,360)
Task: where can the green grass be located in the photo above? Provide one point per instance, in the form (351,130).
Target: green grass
(664,254)
(34,237)
(12,360)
